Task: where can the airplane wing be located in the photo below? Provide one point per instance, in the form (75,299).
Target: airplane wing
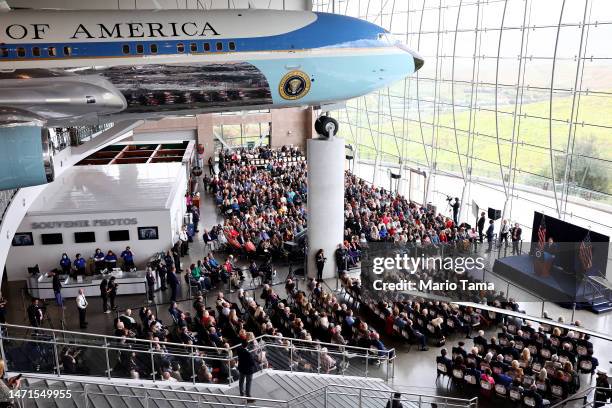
(42,96)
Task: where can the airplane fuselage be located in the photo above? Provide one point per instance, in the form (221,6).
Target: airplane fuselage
(72,67)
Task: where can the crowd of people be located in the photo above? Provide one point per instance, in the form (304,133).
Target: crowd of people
(522,363)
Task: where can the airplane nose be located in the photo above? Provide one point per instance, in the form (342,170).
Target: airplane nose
(418,60)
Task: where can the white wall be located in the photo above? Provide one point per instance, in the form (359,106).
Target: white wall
(47,256)
(26,196)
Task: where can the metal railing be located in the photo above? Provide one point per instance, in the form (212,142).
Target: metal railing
(329,395)
(587,396)
(41,350)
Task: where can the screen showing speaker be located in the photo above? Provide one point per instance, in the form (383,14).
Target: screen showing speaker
(570,245)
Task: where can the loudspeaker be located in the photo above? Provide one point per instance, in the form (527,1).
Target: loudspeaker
(494,214)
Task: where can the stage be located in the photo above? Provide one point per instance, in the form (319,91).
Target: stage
(559,286)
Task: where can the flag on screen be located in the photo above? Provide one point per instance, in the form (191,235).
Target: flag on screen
(586,252)
(542,233)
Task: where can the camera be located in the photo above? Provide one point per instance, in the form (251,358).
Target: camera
(449,198)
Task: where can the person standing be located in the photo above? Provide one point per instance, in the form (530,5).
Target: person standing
(82,304)
(184,241)
(490,231)
(246,368)
(162,271)
(35,314)
(174,283)
(176,256)
(112,292)
(104,295)
(65,264)
(79,265)
(481,224)
(516,238)
(320,262)
(456,207)
(503,233)
(150,277)
(57,289)
(211,166)
(128,259)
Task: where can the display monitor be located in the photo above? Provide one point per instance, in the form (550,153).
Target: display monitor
(82,237)
(147,233)
(23,239)
(119,235)
(52,239)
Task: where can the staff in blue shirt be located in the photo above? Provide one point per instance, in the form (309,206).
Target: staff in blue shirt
(111,260)
(99,260)
(128,259)
(65,263)
(79,264)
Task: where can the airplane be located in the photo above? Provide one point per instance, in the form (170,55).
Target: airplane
(69,68)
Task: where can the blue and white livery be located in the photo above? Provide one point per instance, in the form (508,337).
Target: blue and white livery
(72,67)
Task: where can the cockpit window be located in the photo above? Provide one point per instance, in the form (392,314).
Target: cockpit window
(392,39)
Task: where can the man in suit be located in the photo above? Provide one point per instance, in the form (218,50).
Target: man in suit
(57,289)
(480,224)
(516,238)
(456,206)
(35,314)
(173,282)
(490,231)
(246,368)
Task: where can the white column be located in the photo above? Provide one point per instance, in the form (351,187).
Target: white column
(325,201)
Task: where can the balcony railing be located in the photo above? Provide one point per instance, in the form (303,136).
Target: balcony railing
(40,350)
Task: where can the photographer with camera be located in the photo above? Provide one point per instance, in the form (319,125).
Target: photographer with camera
(320,262)
(455,207)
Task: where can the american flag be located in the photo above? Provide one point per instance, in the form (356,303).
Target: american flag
(542,233)
(586,252)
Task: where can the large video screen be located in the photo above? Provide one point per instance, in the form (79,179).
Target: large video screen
(569,242)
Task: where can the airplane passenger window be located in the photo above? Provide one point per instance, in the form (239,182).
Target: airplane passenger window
(153,48)
(67,51)
(206,46)
(51,51)
(139,48)
(126,48)
(4,52)
(219,46)
(36,51)
(194,47)
(232,46)
(180,47)
(21,52)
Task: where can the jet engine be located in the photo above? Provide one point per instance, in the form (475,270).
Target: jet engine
(25,157)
